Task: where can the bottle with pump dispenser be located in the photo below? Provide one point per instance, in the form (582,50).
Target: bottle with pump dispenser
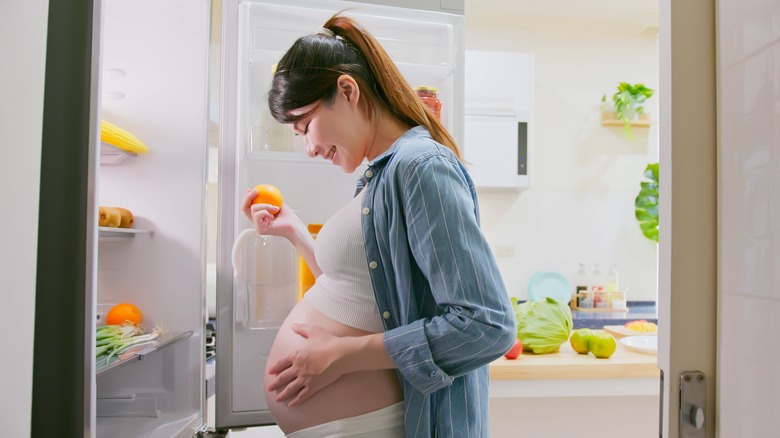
(583,298)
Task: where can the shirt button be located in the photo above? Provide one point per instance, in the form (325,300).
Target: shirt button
(386,314)
(372,265)
(369,174)
(366,210)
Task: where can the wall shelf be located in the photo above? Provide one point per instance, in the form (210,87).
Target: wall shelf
(609,118)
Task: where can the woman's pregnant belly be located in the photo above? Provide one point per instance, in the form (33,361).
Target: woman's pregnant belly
(350,395)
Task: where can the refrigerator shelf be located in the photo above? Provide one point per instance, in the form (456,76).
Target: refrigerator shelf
(288,156)
(110,154)
(137,355)
(125,233)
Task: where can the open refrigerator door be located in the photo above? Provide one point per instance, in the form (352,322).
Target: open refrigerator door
(427,46)
(154,59)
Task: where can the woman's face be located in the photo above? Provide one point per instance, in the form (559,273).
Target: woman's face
(337,132)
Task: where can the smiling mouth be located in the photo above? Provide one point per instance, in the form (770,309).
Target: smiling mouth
(331,153)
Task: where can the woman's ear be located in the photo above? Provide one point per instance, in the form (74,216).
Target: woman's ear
(349,89)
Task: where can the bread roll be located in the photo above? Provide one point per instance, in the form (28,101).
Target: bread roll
(126,218)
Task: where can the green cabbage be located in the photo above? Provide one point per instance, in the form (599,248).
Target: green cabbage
(542,326)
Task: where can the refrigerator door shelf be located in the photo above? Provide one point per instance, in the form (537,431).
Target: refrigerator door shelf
(136,354)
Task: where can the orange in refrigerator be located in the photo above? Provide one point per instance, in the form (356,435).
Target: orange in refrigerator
(124,313)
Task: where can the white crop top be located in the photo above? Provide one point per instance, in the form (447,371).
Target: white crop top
(343,292)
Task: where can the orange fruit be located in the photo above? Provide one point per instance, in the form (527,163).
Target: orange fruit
(123,313)
(268,194)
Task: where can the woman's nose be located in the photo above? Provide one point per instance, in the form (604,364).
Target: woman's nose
(311,151)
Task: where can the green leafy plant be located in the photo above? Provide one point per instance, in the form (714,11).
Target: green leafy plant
(629,103)
(646,203)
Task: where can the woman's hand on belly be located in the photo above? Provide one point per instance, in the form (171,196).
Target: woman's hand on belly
(307,370)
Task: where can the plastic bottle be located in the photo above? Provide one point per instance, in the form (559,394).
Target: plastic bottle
(612,279)
(582,298)
(597,288)
(617,298)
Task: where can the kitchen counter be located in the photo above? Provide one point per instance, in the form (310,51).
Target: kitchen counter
(626,372)
(568,394)
(567,364)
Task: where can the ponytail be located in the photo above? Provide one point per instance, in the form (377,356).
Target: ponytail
(400,98)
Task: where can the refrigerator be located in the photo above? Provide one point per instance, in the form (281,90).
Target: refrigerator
(184,76)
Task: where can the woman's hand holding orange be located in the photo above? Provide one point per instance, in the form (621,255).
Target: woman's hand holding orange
(268,218)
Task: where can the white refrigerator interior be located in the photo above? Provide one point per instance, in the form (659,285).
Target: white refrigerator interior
(154,84)
(427,46)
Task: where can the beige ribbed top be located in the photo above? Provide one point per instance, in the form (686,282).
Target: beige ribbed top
(343,292)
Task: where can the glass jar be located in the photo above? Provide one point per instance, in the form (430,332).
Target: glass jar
(430,97)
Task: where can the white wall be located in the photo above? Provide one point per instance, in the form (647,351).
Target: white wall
(580,206)
(22,56)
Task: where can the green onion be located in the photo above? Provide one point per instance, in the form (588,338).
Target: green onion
(113,340)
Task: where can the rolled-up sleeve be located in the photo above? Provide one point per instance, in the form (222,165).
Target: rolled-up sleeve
(473,322)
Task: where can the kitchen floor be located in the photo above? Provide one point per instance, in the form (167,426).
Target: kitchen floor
(253,432)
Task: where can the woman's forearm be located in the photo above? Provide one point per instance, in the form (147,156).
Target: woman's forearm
(304,244)
(365,353)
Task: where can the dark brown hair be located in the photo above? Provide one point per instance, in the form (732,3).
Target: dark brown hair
(307,73)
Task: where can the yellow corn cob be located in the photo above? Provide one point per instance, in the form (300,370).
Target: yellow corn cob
(116,136)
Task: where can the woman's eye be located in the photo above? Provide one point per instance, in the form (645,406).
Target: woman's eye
(306,129)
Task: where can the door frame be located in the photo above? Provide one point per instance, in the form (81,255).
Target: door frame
(688,259)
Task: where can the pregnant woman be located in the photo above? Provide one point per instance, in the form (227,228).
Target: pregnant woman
(408,308)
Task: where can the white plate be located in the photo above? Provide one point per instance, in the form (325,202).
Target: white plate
(642,344)
(549,284)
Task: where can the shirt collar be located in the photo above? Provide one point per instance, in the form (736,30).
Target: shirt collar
(379,162)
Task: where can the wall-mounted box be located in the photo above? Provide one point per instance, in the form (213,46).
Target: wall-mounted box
(497,149)
(498,132)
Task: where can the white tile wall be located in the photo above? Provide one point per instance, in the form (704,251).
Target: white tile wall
(749,216)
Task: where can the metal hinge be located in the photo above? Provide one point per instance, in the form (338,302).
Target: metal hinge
(210,432)
(693,402)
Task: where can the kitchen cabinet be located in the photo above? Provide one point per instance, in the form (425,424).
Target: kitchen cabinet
(498,133)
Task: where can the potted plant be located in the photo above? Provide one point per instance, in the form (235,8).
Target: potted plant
(646,203)
(628,104)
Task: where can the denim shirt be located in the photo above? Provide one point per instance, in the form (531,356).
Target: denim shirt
(444,305)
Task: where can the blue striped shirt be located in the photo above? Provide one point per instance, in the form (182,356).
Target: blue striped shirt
(443,302)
